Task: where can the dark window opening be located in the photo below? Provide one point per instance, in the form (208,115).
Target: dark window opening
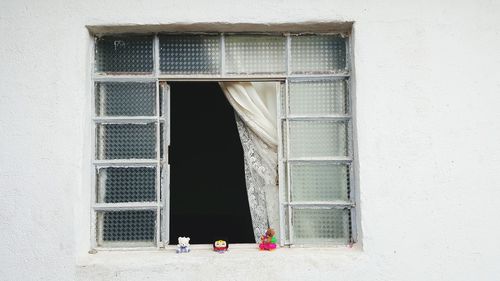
(208,198)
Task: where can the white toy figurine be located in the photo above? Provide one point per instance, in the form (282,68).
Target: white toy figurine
(183,246)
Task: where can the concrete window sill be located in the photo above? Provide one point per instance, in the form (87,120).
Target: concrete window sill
(205,252)
(241,262)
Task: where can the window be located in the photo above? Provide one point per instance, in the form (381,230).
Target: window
(132,128)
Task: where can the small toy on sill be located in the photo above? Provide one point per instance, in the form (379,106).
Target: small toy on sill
(221,246)
(183,246)
(268,241)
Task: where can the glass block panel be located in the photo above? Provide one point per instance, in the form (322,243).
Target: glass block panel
(286,226)
(318,97)
(130,184)
(318,138)
(247,54)
(283,100)
(321,226)
(125,99)
(126,141)
(318,54)
(116,54)
(119,228)
(190,54)
(319,181)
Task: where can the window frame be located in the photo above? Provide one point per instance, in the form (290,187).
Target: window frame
(161,80)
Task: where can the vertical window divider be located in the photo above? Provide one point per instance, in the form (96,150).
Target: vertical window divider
(288,57)
(158,165)
(156,61)
(352,115)
(287,165)
(93,169)
(165,184)
(222,55)
(281,170)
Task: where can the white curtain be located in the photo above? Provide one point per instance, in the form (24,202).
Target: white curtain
(256,119)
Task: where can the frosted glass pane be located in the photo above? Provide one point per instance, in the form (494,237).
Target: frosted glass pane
(255,54)
(318,97)
(125,99)
(321,225)
(283,100)
(318,54)
(319,182)
(126,185)
(126,141)
(126,226)
(318,138)
(115,54)
(286,225)
(190,54)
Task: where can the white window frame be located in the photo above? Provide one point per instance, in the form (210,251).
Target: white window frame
(161,80)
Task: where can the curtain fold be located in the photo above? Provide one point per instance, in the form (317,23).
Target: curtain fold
(255,109)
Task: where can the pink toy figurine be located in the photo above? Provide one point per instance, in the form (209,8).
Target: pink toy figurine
(268,241)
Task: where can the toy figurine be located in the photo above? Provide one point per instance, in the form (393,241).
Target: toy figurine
(268,241)
(220,246)
(183,246)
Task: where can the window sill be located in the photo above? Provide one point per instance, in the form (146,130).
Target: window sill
(204,253)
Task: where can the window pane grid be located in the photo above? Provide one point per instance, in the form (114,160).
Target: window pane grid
(316,129)
(318,97)
(321,225)
(190,54)
(126,184)
(318,54)
(124,99)
(319,182)
(129,226)
(126,141)
(315,111)
(221,54)
(124,55)
(128,149)
(318,138)
(246,54)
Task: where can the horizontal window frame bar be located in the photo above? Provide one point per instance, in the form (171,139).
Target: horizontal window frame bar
(124,78)
(128,120)
(127,206)
(271,33)
(306,77)
(320,159)
(138,248)
(328,204)
(217,77)
(317,117)
(125,162)
(213,78)
(323,243)
(186,77)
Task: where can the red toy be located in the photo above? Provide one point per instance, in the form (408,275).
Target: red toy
(268,241)
(220,246)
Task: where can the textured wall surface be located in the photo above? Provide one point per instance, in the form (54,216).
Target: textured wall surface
(427,99)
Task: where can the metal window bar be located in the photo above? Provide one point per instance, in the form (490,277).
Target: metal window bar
(281,165)
(165,167)
(283,131)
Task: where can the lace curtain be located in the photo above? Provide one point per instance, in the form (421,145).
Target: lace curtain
(255,109)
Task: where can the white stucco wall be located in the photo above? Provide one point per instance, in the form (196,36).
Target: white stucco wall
(427,99)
